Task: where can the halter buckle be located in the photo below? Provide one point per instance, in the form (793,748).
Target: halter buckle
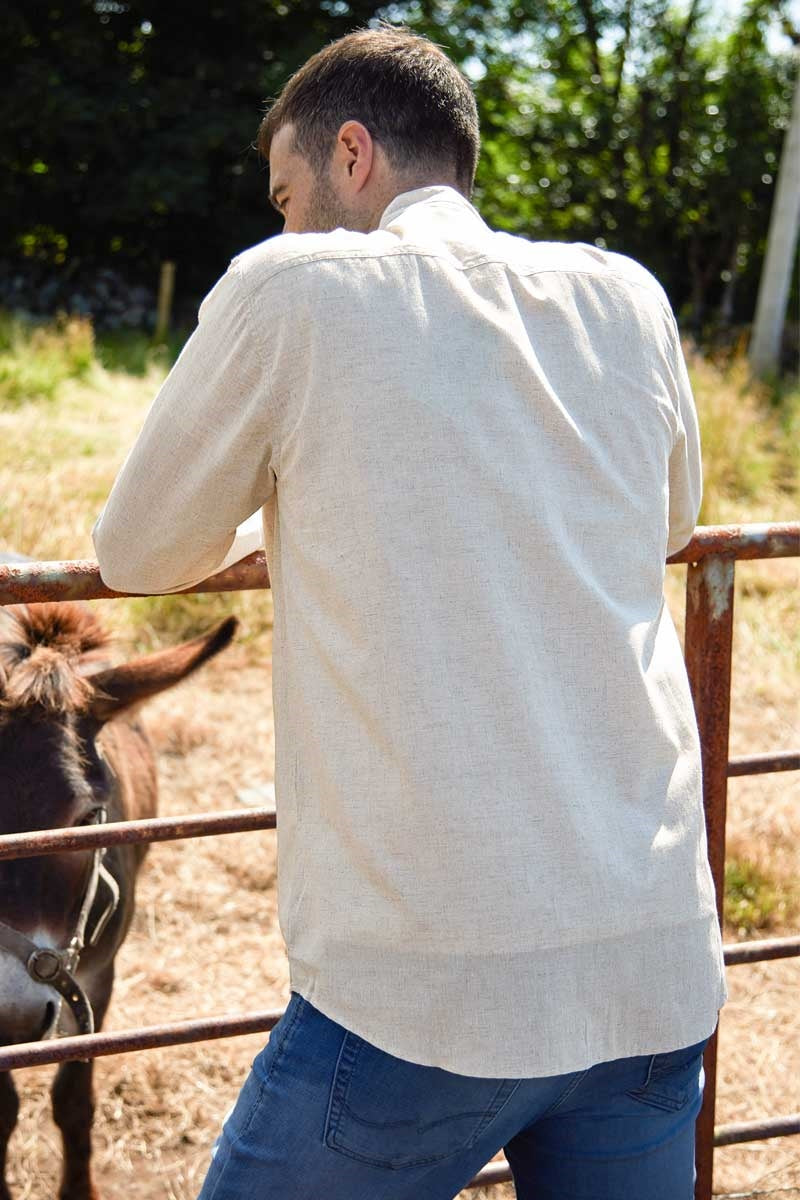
(44,964)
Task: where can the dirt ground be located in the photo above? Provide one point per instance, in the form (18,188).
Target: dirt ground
(206,941)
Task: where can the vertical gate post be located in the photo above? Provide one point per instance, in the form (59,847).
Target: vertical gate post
(709,630)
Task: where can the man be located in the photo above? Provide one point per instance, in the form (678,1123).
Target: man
(472,455)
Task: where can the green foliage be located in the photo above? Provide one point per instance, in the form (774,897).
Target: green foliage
(36,359)
(787,406)
(126,129)
(753,901)
(631,124)
(134,353)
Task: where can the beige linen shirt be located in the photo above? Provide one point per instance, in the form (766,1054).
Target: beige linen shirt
(472,454)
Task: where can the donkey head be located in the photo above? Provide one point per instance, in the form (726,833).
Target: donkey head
(55,699)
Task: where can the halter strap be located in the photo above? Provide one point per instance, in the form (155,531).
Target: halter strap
(55,968)
(47,966)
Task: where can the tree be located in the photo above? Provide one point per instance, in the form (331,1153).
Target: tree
(630,124)
(126,129)
(126,126)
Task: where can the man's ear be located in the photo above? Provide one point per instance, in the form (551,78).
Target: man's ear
(353,156)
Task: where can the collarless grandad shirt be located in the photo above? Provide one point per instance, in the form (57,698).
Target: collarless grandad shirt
(472,454)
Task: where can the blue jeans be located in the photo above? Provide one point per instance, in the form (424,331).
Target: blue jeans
(325,1115)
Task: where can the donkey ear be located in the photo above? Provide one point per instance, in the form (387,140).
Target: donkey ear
(122,687)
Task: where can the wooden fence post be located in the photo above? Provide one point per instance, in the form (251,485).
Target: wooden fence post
(166,291)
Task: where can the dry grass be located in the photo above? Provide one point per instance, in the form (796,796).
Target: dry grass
(205,938)
(751,444)
(57,466)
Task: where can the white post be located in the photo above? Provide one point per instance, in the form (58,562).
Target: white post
(776,274)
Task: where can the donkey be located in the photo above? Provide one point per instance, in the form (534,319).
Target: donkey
(72,752)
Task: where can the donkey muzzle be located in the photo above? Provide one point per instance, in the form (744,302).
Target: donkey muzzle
(50,968)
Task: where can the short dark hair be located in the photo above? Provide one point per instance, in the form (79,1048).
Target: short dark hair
(400,86)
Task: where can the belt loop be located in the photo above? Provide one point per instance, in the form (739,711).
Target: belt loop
(649,1069)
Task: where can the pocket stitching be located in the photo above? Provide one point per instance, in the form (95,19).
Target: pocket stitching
(279,1050)
(653,1092)
(254,1107)
(334,1105)
(659,1099)
(495,1109)
(565,1095)
(345,1062)
(338,1104)
(281,1047)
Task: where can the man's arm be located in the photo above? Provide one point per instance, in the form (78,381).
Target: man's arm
(685,466)
(202,463)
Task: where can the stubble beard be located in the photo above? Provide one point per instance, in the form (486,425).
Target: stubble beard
(326,211)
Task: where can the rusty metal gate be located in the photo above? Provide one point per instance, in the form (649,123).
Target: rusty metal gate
(711,557)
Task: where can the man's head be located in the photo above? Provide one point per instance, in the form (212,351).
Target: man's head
(374,114)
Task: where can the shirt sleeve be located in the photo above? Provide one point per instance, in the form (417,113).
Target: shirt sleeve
(202,462)
(247,539)
(685,466)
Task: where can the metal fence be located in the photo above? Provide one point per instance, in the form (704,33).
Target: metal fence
(711,557)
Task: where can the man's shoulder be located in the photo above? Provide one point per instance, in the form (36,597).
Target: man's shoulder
(299,256)
(582,258)
(291,252)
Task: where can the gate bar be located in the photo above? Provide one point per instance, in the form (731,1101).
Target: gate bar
(146,829)
(762,764)
(779,540)
(79,579)
(186,1032)
(151,1037)
(756,1131)
(164,829)
(769,948)
(492,1173)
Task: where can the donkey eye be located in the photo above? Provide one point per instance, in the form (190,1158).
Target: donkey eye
(92,816)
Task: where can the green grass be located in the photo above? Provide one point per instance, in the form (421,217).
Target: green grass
(134,353)
(70,407)
(754,902)
(750,435)
(164,620)
(786,404)
(36,359)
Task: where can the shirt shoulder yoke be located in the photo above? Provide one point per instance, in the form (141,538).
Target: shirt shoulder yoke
(290,251)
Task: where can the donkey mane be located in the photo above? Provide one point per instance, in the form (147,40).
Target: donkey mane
(44,650)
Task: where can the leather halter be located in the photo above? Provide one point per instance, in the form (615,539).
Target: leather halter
(55,968)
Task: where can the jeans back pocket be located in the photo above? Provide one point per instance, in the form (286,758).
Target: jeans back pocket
(395,1114)
(673,1078)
